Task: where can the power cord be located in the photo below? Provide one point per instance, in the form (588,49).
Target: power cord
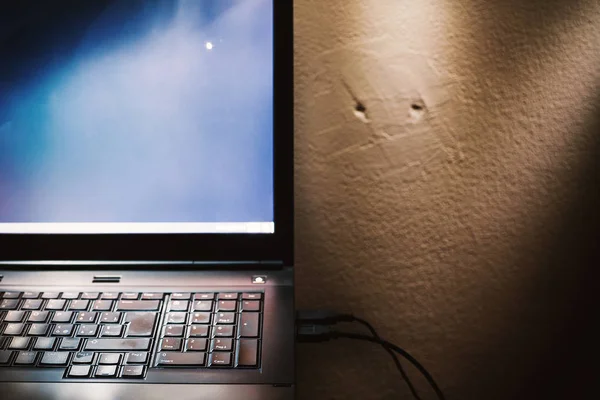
(313,326)
(324,317)
(393,355)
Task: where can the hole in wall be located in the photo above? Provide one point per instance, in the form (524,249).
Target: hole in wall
(417,110)
(360,111)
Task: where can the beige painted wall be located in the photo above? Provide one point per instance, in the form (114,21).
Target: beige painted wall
(458,211)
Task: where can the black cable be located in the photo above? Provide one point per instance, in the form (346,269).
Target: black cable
(392,354)
(399,350)
(318,332)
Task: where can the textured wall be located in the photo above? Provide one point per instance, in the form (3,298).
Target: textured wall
(447,190)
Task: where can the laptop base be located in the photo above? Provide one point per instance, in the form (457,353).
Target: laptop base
(272,375)
(111,391)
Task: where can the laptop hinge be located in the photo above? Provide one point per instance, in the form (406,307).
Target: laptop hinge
(240,264)
(272,263)
(106,279)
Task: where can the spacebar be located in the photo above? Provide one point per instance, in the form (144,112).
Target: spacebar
(118,344)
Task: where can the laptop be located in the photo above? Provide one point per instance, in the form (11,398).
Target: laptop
(146,201)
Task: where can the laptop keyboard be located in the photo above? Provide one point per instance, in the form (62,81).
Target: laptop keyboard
(123,335)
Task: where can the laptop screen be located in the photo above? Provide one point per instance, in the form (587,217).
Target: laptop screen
(136,116)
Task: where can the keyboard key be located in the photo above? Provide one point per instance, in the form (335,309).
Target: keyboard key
(204,296)
(173,359)
(55,359)
(181,296)
(247,353)
(130,296)
(112,330)
(70,295)
(173,330)
(251,296)
(221,344)
(87,330)
(70,344)
(38,316)
(176,318)
(86,317)
(63,330)
(170,344)
(203,305)
(117,344)
(138,305)
(198,330)
(106,371)
(249,324)
(226,305)
(38,329)
(250,305)
(14,316)
(5,357)
(110,296)
(26,358)
(225,318)
(50,295)
(227,296)
(102,305)
(178,305)
(90,295)
(9,304)
(31,295)
(55,305)
(223,331)
(11,295)
(77,305)
(79,371)
(44,343)
(196,345)
(110,358)
(62,316)
(152,296)
(13,329)
(110,317)
(141,324)
(201,318)
(137,358)
(19,343)
(133,371)
(83,357)
(31,305)
(221,359)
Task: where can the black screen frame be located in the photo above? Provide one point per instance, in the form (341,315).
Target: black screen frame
(277,247)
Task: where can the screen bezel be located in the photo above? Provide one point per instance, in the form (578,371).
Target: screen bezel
(197,247)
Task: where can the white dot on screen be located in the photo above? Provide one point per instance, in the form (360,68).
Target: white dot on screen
(209,46)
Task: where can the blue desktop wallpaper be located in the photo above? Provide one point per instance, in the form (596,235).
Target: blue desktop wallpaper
(136,111)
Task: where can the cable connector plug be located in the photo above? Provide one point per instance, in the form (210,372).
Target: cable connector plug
(311,333)
(321,317)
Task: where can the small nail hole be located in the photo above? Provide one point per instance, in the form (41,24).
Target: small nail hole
(417,110)
(360,111)
(360,107)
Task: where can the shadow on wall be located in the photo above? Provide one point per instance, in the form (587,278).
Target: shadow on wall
(506,29)
(548,344)
(516,43)
(563,365)
(522,47)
